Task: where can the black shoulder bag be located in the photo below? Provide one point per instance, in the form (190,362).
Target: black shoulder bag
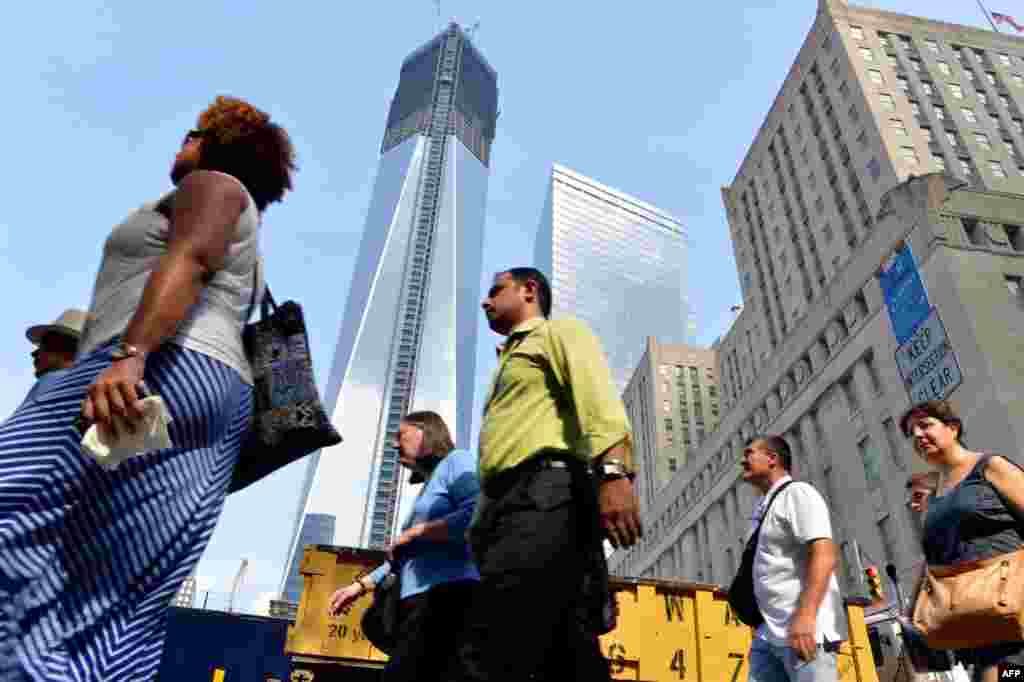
(289,421)
(380,620)
(741,593)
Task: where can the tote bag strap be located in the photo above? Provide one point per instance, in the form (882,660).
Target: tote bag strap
(255,287)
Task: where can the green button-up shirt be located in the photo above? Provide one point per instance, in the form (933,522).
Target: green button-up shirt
(552,390)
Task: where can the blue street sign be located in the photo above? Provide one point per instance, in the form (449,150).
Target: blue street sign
(904,294)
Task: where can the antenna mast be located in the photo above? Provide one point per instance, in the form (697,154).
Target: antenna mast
(237,584)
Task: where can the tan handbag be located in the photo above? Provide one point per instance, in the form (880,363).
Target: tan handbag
(972,603)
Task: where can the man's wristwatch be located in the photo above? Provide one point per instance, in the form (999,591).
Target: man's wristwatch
(123,351)
(612,470)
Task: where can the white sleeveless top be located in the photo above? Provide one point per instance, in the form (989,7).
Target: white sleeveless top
(214,325)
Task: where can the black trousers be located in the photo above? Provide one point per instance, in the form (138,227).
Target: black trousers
(538,548)
(428,625)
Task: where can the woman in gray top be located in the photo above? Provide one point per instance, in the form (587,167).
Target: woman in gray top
(974,512)
(90,557)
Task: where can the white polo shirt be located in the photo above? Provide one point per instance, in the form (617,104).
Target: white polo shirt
(797,516)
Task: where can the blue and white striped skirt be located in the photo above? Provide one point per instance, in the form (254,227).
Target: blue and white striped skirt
(90,559)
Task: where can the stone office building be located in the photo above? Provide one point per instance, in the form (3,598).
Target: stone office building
(835,392)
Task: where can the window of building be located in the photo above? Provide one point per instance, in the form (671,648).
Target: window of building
(1015,237)
(969,115)
(982,140)
(909,155)
(1004,59)
(867,54)
(940,112)
(857,32)
(944,68)
(874,169)
(902,83)
(932,45)
(1015,284)
(997,169)
(956,90)
(888,103)
(898,127)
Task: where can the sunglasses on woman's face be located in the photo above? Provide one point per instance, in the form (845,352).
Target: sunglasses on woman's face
(193,135)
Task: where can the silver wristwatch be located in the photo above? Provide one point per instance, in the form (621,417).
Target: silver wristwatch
(612,470)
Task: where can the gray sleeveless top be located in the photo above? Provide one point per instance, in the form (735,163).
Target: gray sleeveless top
(971,521)
(214,325)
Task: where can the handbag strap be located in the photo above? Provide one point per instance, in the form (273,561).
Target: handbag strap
(267,296)
(764,515)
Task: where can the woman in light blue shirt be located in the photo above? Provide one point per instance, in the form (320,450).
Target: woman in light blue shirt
(431,555)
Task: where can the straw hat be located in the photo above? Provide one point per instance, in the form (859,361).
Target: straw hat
(70,323)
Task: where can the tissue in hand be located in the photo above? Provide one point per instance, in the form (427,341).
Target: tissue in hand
(150,434)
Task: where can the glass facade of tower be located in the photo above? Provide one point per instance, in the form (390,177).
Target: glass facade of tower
(317,529)
(408,338)
(616,263)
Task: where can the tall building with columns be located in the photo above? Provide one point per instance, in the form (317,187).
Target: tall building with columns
(873,100)
(838,387)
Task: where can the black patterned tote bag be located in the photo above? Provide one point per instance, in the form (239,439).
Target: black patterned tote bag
(289,421)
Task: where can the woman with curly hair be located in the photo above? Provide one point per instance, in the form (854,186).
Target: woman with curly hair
(90,556)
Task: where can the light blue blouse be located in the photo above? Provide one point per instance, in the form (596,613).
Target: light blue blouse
(449,494)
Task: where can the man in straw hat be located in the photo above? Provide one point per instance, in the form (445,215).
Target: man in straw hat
(56,343)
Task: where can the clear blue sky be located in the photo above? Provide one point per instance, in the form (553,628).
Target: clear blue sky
(658,99)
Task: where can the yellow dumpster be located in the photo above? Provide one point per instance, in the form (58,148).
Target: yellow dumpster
(671,630)
(666,630)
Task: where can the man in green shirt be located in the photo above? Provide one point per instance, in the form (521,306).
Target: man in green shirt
(556,477)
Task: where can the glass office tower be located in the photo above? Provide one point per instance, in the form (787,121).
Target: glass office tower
(408,338)
(317,529)
(615,262)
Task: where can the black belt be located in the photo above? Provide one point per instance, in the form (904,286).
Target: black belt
(501,482)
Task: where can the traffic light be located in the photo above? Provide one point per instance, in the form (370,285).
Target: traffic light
(874,583)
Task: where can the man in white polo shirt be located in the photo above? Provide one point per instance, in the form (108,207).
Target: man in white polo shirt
(794,573)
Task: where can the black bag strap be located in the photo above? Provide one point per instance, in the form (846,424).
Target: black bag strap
(752,542)
(264,307)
